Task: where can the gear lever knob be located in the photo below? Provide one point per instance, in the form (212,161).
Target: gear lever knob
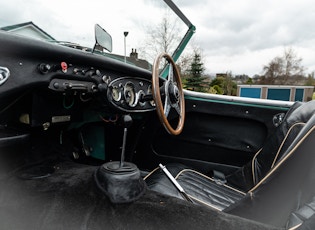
(126,121)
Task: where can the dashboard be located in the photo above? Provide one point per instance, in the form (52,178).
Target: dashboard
(75,75)
(125,93)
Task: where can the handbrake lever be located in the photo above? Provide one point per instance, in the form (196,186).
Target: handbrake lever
(176,184)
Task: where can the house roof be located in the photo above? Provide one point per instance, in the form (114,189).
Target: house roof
(131,60)
(29,25)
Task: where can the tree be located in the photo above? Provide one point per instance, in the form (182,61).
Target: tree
(195,80)
(217,89)
(224,84)
(217,84)
(184,63)
(283,70)
(229,86)
(241,78)
(161,38)
(310,81)
(249,81)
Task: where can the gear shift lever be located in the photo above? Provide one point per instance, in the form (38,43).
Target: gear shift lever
(126,122)
(120,181)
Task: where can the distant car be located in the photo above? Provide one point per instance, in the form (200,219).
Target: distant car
(89,142)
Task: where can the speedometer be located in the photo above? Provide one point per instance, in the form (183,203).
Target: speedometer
(130,94)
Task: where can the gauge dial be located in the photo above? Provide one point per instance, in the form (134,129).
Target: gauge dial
(116,94)
(130,94)
(140,95)
(149,91)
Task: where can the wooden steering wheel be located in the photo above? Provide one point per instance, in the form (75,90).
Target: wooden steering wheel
(171,92)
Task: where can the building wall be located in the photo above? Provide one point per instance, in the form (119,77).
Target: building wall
(276,92)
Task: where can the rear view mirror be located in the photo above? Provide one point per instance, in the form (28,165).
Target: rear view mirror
(102,39)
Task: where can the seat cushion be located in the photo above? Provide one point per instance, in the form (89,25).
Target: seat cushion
(199,187)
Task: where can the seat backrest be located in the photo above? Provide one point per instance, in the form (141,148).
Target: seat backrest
(287,188)
(274,147)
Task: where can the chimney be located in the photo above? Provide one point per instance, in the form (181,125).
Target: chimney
(134,54)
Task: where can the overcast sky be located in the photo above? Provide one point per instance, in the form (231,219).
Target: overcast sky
(239,36)
(242,36)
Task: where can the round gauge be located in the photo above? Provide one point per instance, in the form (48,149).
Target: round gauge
(116,94)
(106,79)
(140,95)
(130,94)
(149,91)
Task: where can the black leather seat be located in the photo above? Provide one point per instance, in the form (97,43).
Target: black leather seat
(200,188)
(255,191)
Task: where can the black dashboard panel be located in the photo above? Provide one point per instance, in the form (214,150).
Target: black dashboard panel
(36,64)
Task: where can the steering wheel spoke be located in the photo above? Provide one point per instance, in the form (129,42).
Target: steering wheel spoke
(177,108)
(167,108)
(170,76)
(174,95)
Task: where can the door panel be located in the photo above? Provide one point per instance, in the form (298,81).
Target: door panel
(219,131)
(208,137)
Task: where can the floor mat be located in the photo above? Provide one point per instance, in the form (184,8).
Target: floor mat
(68,199)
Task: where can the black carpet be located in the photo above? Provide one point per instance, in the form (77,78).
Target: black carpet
(69,199)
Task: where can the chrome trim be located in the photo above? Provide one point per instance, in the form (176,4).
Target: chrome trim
(136,107)
(4,74)
(237,99)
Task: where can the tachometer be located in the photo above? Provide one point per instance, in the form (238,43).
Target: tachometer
(130,94)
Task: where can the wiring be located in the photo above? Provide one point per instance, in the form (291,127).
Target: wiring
(67,106)
(110,119)
(84,99)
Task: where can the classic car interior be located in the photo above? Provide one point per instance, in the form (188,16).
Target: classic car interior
(89,142)
(80,132)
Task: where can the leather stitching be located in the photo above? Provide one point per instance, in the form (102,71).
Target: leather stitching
(283,160)
(209,178)
(286,136)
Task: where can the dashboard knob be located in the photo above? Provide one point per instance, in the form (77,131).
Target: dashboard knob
(102,88)
(44,68)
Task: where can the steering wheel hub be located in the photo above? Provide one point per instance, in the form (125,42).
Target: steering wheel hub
(173,93)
